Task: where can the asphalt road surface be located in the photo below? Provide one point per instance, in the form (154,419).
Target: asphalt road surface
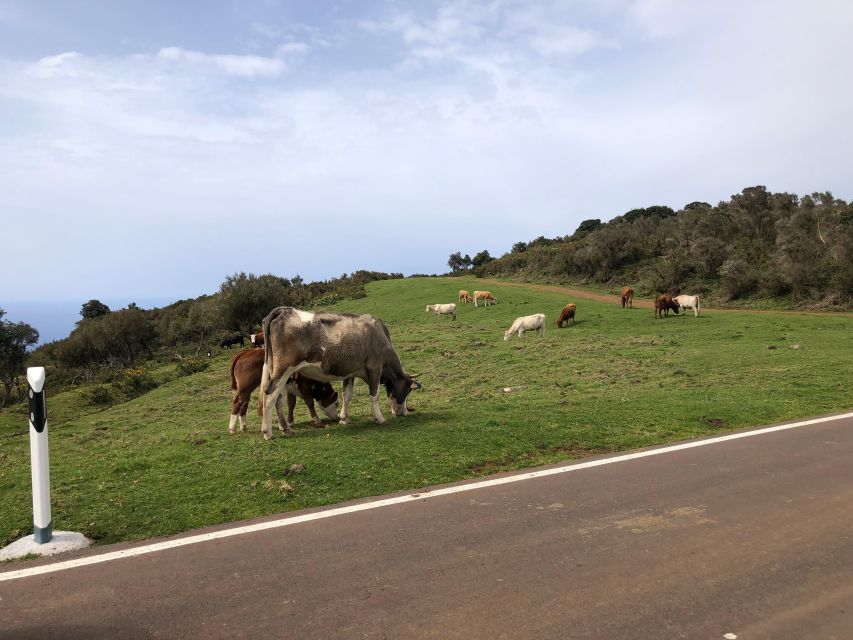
(751,537)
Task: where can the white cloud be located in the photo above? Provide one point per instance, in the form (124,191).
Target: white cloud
(246,66)
(473,118)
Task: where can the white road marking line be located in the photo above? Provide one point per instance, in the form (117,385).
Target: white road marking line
(387,502)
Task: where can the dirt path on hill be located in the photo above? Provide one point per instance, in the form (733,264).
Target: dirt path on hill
(646,303)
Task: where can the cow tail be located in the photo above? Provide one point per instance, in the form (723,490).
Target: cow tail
(234,364)
(268,355)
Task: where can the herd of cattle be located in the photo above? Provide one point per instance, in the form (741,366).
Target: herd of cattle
(298,354)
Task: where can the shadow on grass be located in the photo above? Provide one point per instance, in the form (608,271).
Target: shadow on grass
(362,426)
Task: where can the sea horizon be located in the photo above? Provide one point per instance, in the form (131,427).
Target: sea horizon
(55,319)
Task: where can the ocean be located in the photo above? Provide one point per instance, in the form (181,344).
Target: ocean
(55,319)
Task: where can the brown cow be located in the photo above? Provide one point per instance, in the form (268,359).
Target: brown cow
(663,304)
(568,313)
(257,339)
(485,296)
(627,297)
(464,296)
(246,371)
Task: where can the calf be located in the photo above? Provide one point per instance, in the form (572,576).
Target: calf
(536,322)
(568,313)
(688,302)
(464,296)
(443,309)
(485,296)
(246,371)
(627,297)
(663,304)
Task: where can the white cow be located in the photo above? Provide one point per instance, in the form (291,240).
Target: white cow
(443,309)
(536,322)
(688,302)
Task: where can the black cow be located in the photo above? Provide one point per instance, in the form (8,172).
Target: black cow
(237,338)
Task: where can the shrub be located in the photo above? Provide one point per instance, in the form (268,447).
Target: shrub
(189,366)
(135,382)
(98,394)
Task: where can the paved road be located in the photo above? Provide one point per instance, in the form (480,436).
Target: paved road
(752,537)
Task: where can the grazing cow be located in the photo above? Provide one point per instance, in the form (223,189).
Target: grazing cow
(536,322)
(237,338)
(257,339)
(464,296)
(627,297)
(688,302)
(246,371)
(568,313)
(486,297)
(663,304)
(443,309)
(328,347)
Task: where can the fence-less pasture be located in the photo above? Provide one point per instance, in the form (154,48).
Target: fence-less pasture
(618,379)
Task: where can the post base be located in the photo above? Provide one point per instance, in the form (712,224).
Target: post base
(61,542)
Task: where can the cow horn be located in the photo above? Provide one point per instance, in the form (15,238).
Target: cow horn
(417,375)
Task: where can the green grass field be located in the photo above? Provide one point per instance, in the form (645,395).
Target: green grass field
(618,379)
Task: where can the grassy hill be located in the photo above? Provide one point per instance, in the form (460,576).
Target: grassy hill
(618,379)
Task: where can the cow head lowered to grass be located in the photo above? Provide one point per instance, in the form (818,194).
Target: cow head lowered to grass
(332,346)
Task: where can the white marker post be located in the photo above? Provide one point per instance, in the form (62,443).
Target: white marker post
(44,541)
(42,523)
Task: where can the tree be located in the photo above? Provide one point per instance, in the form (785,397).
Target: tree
(245,300)
(519,247)
(202,319)
(458,262)
(481,258)
(15,338)
(586,227)
(94,309)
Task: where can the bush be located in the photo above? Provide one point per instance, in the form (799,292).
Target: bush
(98,394)
(189,366)
(135,382)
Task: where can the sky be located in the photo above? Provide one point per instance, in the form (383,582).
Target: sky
(148,150)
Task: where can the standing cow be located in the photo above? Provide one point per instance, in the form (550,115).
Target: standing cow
(627,297)
(464,296)
(567,313)
(328,347)
(663,304)
(536,322)
(237,338)
(486,297)
(443,309)
(688,302)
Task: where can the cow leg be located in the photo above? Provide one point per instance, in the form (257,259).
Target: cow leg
(285,422)
(315,420)
(347,393)
(244,409)
(373,387)
(272,391)
(238,412)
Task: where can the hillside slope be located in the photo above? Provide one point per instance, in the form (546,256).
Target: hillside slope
(617,379)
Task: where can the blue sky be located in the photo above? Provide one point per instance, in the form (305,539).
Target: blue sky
(147,150)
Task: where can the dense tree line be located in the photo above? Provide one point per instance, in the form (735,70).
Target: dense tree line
(15,339)
(107,340)
(757,244)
